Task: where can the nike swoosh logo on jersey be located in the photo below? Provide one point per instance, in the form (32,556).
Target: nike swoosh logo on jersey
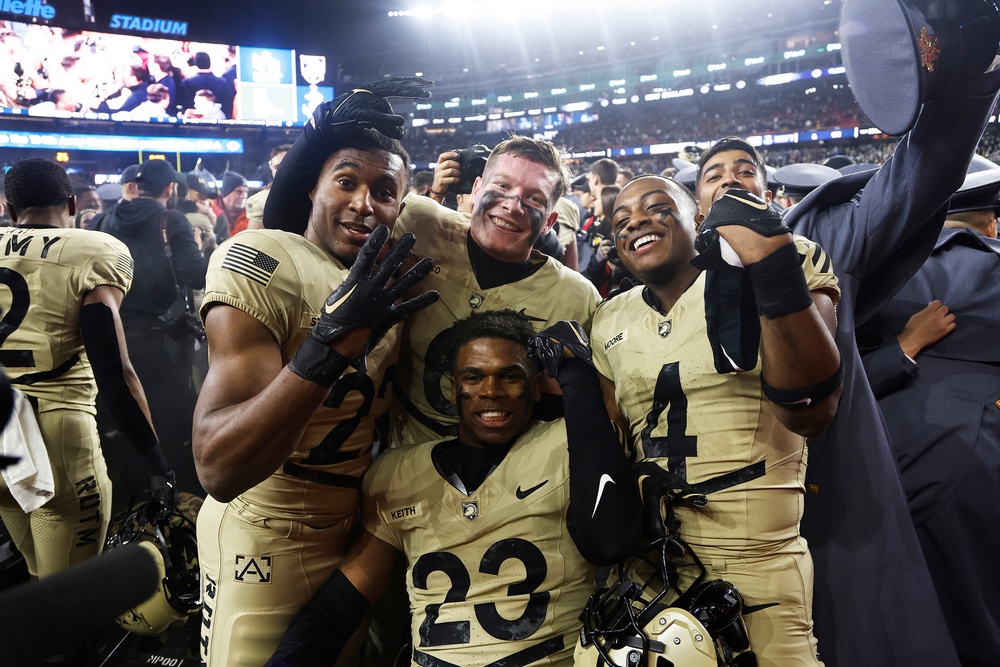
(603,482)
(521,495)
(532,318)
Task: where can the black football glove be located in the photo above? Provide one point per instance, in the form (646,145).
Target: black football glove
(548,345)
(163,488)
(735,207)
(366,106)
(366,300)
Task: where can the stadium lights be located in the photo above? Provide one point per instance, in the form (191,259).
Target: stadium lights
(536,8)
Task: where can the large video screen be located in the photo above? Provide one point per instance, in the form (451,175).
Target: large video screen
(58,72)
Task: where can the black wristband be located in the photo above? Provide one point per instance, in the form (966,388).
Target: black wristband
(803,397)
(779,285)
(318,363)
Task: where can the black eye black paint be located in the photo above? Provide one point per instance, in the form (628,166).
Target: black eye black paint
(492,197)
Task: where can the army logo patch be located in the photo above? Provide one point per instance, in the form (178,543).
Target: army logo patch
(470,510)
(663,328)
(253,569)
(476,300)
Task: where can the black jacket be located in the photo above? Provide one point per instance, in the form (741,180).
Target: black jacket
(137,224)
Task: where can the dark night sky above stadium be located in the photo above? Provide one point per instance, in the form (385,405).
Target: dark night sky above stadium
(362,39)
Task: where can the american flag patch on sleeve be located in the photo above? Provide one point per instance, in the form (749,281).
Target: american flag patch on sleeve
(125,265)
(250,263)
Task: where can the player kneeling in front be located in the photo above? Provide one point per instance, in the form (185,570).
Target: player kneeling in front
(496,533)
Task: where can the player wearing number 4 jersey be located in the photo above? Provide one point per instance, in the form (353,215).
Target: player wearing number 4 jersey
(61,341)
(285,422)
(495,529)
(699,401)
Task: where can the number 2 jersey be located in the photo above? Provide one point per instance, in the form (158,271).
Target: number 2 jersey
(422,407)
(47,272)
(714,430)
(493,577)
(282,280)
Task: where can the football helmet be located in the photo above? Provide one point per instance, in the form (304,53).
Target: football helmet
(630,623)
(168,534)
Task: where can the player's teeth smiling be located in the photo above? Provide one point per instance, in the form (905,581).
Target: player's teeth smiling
(502,224)
(644,240)
(493,415)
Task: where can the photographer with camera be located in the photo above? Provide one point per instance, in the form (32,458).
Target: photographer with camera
(160,327)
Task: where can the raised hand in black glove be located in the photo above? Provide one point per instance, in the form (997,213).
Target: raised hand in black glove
(550,346)
(735,207)
(164,488)
(367,107)
(365,300)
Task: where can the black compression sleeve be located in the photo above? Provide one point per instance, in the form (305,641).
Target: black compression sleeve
(100,338)
(321,629)
(288,205)
(605,512)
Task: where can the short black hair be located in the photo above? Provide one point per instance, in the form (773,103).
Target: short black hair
(731,144)
(37,182)
(606,170)
(505,324)
(368,138)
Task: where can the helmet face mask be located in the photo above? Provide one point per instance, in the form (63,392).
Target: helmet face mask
(630,624)
(170,537)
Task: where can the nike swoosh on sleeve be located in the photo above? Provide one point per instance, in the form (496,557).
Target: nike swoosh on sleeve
(603,482)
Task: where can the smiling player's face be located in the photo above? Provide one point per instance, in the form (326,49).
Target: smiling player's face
(495,388)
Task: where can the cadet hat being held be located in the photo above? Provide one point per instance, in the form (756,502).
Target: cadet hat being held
(900,54)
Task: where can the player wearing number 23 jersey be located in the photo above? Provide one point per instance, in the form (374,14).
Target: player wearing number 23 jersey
(493,577)
(498,536)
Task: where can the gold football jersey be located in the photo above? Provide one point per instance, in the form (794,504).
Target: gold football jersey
(422,408)
(493,577)
(714,430)
(569,221)
(47,273)
(283,280)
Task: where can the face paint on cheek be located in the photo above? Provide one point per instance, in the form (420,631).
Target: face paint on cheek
(535,217)
(490,198)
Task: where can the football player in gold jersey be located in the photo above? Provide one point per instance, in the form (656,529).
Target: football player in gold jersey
(284,427)
(61,342)
(727,415)
(495,530)
(483,263)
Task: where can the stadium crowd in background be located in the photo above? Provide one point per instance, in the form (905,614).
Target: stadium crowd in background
(523,352)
